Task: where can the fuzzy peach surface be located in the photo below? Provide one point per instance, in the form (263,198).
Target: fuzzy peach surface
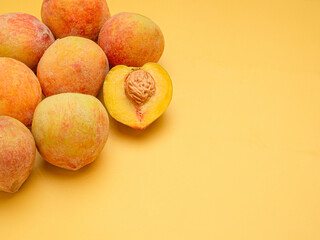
(83,18)
(20,91)
(17,154)
(131,39)
(70,129)
(24,37)
(72,64)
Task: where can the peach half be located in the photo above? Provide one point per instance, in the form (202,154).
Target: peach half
(137,96)
(70,129)
(17,154)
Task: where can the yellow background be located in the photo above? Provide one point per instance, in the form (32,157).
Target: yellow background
(235,156)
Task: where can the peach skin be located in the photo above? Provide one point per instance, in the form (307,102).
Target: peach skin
(131,39)
(17,154)
(20,91)
(24,37)
(70,129)
(82,18)
(72,64)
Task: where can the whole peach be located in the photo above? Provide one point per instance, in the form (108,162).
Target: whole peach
(72,64)
(83,18)
(70,129)
(20,91)
(131,39)
(24,37)
(17,154)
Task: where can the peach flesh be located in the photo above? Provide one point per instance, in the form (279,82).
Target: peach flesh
(17,154)
(20,91)
(70,129)
(131,39)
(136,97)
(24,37)
(83,18)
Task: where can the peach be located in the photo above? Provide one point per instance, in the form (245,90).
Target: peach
(72,64)
(131,39)
(82,18)
(137,96)
(24,37)
(17,154)
(70,129)
(20,91)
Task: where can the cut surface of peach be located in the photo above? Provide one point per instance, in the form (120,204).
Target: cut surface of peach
(137,96)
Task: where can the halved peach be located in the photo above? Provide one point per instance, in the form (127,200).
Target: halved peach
(137,96)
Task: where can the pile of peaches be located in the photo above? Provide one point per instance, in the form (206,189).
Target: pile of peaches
(52,71)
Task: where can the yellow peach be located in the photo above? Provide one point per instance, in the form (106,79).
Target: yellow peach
(131,39)
(20,91)
(137,96)
(82,18)
(24,37)
(70,129)
(72,64)
(17,154)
